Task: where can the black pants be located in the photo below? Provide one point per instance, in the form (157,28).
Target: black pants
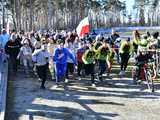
(80,68)
(135,48)
(102,68)
(42,73)
(124,60)
(89,70)
(14,63)
(70,68)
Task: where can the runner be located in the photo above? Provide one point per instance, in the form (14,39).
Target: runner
(136,41)
(60,60)
(41,59)
(70,62)
(80,53)
(25,55)
(103,56)
(89,61)
(12,49)
(125,52)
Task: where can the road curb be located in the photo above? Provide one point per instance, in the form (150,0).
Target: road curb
(3,90)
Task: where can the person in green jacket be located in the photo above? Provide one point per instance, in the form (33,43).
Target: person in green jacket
(89,61)
(136,41)
(96,45)
(125,52)
(143,44)
(103,56)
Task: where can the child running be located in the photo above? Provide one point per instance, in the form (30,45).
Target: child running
(60,60)
(89,61)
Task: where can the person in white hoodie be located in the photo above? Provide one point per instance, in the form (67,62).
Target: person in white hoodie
(41,59)
(26,56)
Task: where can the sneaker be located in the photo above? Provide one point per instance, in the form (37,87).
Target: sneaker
(120,73)
(108,74)
(93,85)
(100,79)
(66,80)
(40,80)
(56,86)
(79,78)
(139,81)
(42,87)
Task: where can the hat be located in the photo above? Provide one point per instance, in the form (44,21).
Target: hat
(128,39)
(13,37)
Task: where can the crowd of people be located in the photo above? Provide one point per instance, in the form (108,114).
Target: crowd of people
(64,53)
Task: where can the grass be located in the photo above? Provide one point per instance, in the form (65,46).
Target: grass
(116,70)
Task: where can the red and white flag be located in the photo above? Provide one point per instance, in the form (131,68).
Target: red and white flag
(83,27)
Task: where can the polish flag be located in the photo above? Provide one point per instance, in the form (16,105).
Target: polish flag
(83,27)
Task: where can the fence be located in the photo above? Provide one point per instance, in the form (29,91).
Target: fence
(125,29)
(3,85)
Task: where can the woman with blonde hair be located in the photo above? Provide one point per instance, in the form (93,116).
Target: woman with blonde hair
(136,40)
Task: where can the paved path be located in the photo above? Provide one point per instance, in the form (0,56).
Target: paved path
(115,99)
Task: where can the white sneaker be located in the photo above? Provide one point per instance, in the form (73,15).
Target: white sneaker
(93,85)
(56,86)
(66,80)
(39,79)
(120,73)
(79,78)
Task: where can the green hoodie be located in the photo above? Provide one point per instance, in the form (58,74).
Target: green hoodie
(103,53)
(125,47)
(88,57)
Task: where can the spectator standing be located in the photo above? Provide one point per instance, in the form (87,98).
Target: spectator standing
(4,38)
(26,56)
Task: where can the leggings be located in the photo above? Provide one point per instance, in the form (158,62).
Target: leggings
(124,60)
(89,70)
(60,71)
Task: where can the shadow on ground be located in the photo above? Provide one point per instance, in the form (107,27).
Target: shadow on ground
(66,102)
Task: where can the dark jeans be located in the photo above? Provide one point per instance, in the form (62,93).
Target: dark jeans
(117,56)
(124,60)
(80,68)
(13,62)
(89,70)
(102,68)
(60,71)
(135,48)
(42,73)
(70,68)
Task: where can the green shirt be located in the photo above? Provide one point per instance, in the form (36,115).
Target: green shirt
(103,53)
(88,57)
(125,47)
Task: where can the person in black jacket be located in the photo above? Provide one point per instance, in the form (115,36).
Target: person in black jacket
(12,49)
